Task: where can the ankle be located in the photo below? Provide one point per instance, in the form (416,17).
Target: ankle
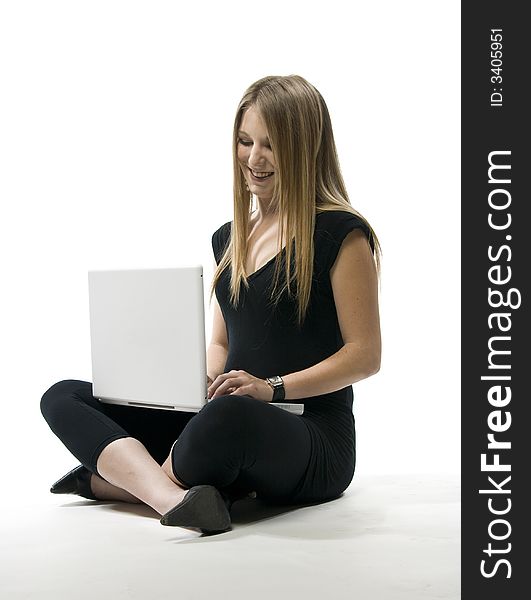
(103,490)
(166,503)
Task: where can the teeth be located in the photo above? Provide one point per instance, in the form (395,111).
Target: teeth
(264,174)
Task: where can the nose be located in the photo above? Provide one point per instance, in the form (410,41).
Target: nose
(256,158)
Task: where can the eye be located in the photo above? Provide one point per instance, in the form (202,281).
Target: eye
(247,143)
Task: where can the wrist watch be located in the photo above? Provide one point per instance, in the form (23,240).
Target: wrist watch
(278,388)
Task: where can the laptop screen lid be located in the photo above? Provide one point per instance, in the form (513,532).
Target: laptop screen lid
(147,330)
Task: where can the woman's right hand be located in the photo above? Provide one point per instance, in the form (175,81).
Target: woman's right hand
(209,383)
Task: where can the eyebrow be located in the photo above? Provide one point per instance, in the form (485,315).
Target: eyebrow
(242,132)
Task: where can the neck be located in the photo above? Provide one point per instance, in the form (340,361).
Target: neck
(266,211)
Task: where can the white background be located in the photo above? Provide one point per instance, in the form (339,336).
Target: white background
(115,151)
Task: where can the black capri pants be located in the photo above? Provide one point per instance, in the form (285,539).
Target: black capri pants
(235,442)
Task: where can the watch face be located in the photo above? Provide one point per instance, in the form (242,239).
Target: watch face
(276,380)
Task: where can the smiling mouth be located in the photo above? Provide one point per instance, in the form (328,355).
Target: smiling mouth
(261,175)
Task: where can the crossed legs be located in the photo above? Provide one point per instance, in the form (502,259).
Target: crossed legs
(112,442)
(130,474)
(235,443)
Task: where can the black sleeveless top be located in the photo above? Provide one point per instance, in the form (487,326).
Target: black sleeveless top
(265,340)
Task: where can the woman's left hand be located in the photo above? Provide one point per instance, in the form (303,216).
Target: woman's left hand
(242,383)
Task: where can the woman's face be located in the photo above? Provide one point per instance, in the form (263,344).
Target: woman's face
(255,154)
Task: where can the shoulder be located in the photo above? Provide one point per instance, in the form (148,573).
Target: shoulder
(222,231)
(335,224)
(331,229)
(220,239)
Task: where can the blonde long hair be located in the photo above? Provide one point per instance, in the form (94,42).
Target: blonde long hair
(308,180)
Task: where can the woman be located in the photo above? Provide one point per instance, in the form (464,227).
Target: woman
(293,321)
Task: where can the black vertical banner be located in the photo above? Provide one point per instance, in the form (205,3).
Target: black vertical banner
(496,268)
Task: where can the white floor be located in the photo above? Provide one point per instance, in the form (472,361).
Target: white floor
(388,537)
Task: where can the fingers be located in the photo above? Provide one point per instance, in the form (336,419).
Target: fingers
(226,383)
(228,386)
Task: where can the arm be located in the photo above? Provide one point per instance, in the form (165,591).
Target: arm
(219,346)
(355,288)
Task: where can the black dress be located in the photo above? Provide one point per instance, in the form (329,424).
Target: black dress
(266,341)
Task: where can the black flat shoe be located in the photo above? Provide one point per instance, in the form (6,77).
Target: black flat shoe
(202,509)
(76,481)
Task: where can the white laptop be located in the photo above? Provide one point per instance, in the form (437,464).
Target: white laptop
(147,330)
